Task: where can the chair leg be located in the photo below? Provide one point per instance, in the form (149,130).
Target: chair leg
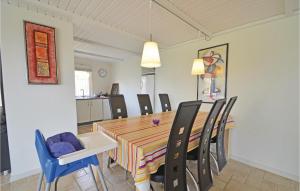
(126,175)
(93,176)
(55,184)
(151,187)
(48,186)
(193,178)
(40,180)
(108,162)
(101,177)
(216,163)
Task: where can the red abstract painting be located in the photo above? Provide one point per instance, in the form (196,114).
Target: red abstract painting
(41,55)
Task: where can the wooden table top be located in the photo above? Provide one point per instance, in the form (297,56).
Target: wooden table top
(141,145)
(141,123)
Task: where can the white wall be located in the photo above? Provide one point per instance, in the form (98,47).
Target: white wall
(98,83)
(50,108)
(128,75)
(263,72)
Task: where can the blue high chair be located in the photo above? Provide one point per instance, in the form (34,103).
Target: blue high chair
(52,170)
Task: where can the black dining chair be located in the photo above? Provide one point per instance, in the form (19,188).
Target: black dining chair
(118,106)
(118,111)
(145,104)
(165,102)
(219,157)
(202,153)
(173,172)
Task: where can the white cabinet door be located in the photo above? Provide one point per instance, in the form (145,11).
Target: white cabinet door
(106,109)
(96,110)
(83,111)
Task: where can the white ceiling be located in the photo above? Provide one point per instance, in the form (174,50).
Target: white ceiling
(114,29)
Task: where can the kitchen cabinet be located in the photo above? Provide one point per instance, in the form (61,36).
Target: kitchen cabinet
(83,111)
(106,109)
(89,110)
(96,110)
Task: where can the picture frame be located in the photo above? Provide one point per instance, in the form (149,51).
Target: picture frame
(40,53)
(214,81)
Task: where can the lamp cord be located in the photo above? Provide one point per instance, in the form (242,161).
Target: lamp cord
(150,20)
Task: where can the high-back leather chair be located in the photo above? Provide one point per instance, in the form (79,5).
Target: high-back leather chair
(165,102)
(145,104)
(219,138)
(202,153)
(118,106)
(173,173)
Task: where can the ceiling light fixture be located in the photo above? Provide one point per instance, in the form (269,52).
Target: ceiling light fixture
(150,56)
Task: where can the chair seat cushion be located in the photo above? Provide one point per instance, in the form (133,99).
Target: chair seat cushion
(192,155)
(61,148)
(63,143)
(159,176)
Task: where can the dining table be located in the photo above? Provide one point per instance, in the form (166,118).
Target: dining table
(142,145)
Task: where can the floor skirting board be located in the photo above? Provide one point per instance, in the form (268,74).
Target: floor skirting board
(266,168)
(15,177)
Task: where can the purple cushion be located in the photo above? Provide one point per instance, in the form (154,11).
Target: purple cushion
(63,143)
(61,148)
(69,137)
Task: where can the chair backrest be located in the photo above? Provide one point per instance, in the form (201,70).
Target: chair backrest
(114,89)
(175,163)
(221,157)
(204,172)
(145,104)
(118,106)
(42,151)
(165,102)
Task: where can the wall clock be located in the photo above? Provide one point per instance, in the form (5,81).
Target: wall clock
(102,73)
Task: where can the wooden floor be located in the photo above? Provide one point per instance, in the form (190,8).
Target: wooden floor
(85,128)
(236,176)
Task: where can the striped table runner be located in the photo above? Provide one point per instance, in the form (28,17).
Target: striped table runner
(142,146)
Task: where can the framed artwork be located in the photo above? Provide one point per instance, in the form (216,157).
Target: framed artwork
(215,78)
(40,53)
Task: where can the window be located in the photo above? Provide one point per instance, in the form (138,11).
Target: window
(83,85)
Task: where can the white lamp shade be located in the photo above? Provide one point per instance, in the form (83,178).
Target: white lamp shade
(150,57)
(198,67)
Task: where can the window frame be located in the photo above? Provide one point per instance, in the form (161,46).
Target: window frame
(90,92)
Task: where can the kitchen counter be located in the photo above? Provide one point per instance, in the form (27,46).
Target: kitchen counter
(92,108)
(91,97)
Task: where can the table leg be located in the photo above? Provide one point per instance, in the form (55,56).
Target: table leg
(101,160)
(95,127)
(144,186)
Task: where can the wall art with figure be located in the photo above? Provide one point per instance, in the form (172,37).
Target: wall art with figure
(215,78)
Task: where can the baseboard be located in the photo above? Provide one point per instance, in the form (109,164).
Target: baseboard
(266,168)
(88,123)
(15,177)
